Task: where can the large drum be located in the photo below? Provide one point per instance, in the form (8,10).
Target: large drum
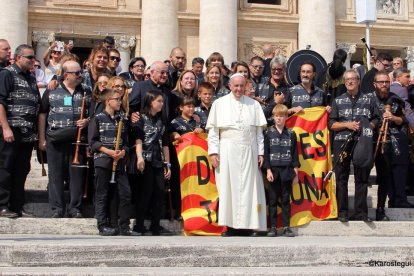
(296,60)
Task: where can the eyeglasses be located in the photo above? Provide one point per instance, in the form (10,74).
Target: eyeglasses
(29,56)
(138,66)
(351,79)
(147,75)
(56,52)
(37,66)
(77,73)
(118,99)
(119,87)
(103,83)
(257,66)
(162,72)
(118,59)
(382,82)
(277,69)
(386,65)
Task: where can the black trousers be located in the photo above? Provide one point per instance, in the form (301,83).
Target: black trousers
(150,196)
(175,181)
(384,176)
(279,189)
(14,168)
(107,194)
(60,156)
(361,175)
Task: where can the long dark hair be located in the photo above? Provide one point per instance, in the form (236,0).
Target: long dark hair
(148,99)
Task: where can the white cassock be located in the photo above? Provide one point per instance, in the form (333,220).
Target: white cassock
(236,135)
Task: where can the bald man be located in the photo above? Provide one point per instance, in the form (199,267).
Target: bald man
(235,129)
(178,60)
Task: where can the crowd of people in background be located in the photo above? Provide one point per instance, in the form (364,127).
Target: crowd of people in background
(123,126)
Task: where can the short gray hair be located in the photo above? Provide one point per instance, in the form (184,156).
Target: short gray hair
(20,48)
(278,60)
(399,71)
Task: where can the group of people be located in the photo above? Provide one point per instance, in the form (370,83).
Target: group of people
(122,127)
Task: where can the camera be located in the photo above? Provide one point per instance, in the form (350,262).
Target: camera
(60,46)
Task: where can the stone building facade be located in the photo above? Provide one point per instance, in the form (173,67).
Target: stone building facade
(235,28)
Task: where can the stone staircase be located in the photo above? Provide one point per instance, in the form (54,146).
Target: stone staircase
(45,246)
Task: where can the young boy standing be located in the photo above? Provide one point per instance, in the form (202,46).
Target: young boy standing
(205,94)
(281,163)
(102,137)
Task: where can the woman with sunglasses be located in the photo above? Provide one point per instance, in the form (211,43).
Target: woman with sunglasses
(51,58)
(97,105)
(114,60)
(136,71)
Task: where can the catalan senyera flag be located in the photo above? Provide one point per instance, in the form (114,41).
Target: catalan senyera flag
(199,196)
(312,199)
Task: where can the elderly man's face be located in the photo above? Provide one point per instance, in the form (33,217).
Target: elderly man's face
(237,86)
(159,75)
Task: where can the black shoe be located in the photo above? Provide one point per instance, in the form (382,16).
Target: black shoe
(128,232)
(381,216)
(254,234)
(24,214)
(6,213)
(56,215)
(107,231)
(287,232)
(343,219)
(161,231)
(367,219)
(227,234)
(140,230)
(272,232)
(76,215)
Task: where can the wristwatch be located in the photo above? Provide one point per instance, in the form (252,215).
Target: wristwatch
(168,165)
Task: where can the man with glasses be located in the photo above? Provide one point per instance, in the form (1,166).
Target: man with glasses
(352,112)
(19,102)
(256,68)
(383,62)
(391,160)
(277,87)
(59,122)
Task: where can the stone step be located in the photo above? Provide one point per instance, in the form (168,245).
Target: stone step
(195,271)
(180,251)
(87,226)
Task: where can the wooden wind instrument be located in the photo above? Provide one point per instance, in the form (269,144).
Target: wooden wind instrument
(382,137)
(75,160)
(118,138)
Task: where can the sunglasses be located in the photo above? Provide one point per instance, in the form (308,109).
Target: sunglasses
(56,52)
(103,83)
(77,73)
(30,56)
(118,59)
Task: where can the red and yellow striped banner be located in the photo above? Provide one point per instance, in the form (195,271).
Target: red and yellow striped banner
(199,196)
(311,198)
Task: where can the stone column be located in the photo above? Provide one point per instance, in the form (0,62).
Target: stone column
(124,44)
(218,29)
(14,22)
(159,29)
(317,26)
(350,48)
(410,60)
(42,40)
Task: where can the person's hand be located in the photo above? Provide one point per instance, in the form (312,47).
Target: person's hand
(261,159)
(354,126)
(279,98)
(388,116)
(196,118)
(198,130)
(177,138)
(42,144)
(167,173)
(328,109)
(296,109)
(215,160)
(82,123)
(140,164)
(269,175)
(52,85)
(8,135)
(135,116)
(119,154)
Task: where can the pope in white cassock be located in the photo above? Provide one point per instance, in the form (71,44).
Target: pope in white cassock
(235,145)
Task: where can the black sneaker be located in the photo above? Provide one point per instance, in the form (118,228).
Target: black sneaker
(272,232)
(76,215)
(161,231)
(343,219)
(24,214)
(107,231)
(287,232)
(56,215)
(381,216)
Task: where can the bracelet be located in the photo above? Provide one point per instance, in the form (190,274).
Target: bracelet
(168,165)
